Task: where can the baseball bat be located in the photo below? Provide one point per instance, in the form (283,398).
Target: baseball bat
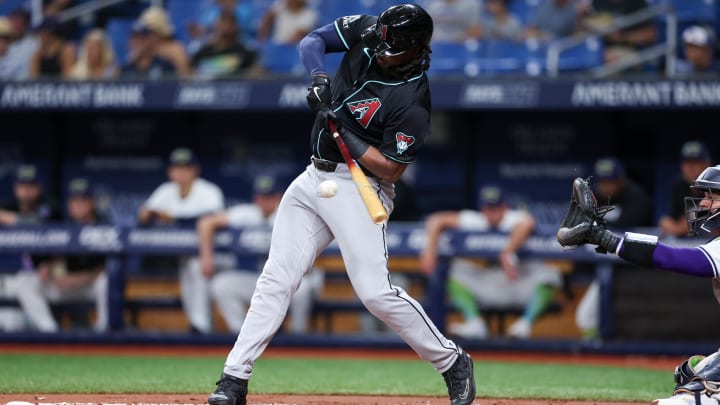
(367,192)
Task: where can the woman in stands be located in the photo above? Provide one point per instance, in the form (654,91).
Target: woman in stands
(54,56)
(97,58)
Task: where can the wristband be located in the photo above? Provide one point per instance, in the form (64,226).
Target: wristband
(355,145)
(638,248)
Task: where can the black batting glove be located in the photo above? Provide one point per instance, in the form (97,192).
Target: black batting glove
(319,92)
(325,114)
(355,145)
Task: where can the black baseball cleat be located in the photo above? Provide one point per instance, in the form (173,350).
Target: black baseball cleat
(230,391)
(460,380)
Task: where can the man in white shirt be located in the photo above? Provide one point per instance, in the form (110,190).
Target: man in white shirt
(186,197)
(232,288)
(287,22)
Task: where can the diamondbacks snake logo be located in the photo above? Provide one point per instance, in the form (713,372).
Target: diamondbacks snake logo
(403,142)
(364,110)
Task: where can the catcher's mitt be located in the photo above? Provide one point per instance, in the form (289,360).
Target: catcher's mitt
(583,222)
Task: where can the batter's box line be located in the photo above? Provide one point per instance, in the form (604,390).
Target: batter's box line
(99,403)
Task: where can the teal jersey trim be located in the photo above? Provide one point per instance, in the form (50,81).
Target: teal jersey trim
(378,82)
(340,35)
(317,145)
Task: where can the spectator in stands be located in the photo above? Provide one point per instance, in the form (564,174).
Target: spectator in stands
(22,47)
(142,61)
(182,200)
(505,281)
(694,158)
(630,204)
(624,42)
(224,55)
(454,20)
(96,59)
(201,30)
(231,287)
(71,277)
(499,23)
(5,41)
(699,49)
(55,56)
(155,53)
(554,19)
(287,22)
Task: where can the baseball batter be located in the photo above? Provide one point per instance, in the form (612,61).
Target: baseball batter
(697,379)
(380,100)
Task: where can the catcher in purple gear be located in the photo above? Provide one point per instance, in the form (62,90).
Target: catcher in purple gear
(698,378)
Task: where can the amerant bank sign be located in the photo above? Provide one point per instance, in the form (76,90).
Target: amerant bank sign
(71,95)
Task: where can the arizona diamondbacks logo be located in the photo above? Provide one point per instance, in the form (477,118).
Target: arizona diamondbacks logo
(403,142)
(364,110)
(346,21)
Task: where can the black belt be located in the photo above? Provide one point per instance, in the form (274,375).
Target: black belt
(330,166)
(324,165)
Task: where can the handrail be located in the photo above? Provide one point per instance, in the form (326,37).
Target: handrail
(556,47)
(85,8)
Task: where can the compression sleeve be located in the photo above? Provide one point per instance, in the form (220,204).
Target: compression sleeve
(645,250)
(693,261)
(316,44)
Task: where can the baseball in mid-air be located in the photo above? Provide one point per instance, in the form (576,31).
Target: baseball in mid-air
(327,188)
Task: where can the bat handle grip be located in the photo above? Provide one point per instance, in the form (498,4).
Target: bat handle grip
(332,126)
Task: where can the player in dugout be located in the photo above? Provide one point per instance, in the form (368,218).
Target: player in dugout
(698,378)
(379,99)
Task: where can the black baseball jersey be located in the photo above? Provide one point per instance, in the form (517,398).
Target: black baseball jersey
(392,115)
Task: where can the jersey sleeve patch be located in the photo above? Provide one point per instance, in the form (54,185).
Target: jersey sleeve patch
(404,141)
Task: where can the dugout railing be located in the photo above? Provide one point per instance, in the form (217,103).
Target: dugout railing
(403,240)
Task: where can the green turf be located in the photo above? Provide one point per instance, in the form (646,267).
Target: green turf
(142,374)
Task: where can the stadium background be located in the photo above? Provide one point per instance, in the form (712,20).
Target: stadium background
(531,133)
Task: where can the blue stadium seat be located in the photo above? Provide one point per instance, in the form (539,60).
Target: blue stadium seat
(332,9)
(524,9)
(501,56)
(281,58)
(700,11)
(182,12)
(260,7)
(587,55)
(118,30)
(449,58)
(7,6)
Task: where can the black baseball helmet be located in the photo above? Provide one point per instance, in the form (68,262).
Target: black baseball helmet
(704,219)
(399,29)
